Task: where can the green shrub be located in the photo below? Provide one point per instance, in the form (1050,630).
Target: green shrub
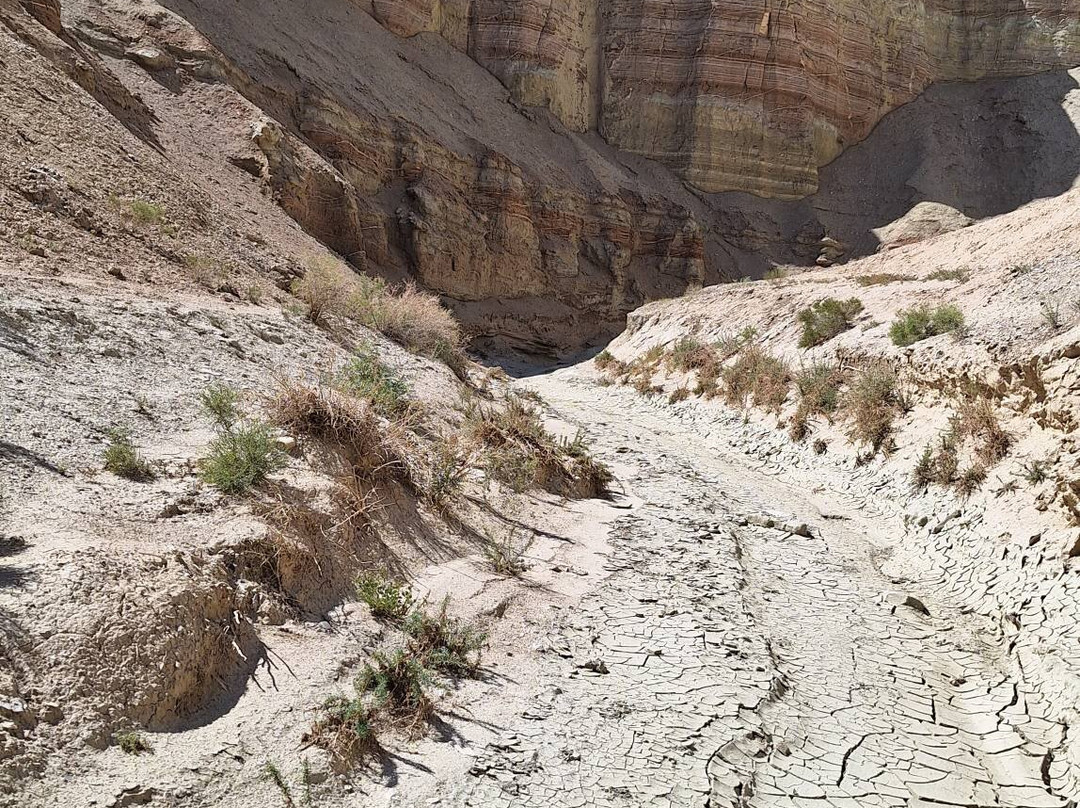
(132,742)
(445,643)
(398,682)
(366,376)
(385,597)
(146,212)
(344,728)
(221,404)
(826,318)
(1036,471)
(241,458)
(921,322)
(124,460)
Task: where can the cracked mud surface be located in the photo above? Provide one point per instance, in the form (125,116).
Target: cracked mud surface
(726,662)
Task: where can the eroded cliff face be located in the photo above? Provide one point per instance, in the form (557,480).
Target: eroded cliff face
(749,95)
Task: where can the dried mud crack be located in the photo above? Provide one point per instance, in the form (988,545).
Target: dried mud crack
(745,650)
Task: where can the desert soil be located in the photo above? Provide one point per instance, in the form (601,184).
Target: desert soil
(746,647)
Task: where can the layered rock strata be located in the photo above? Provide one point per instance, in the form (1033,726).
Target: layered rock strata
(749,95)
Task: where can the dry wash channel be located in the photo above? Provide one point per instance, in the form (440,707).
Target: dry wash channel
(747,649)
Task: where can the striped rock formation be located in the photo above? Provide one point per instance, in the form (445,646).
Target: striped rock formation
(750,95)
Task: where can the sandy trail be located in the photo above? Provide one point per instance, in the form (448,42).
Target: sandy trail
(726,662)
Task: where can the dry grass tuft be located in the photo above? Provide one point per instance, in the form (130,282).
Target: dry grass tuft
(758,373)
(409,316)
(978,419)
(343,423)
(882,278)
(417,320)
(523,454)
(872,404)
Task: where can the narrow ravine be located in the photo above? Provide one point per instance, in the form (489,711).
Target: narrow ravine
(745,650)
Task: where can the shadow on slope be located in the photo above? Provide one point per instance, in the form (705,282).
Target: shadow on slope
(984,148)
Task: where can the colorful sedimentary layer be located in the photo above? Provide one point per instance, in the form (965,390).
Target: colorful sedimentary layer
(749,95)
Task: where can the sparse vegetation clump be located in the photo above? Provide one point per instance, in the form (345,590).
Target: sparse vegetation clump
(679,394)
(329,287)
(221,403)
(1035,472)
(418,321)
(344,728)
(1051,313)
(124,460)
(447,469)
(977,419)
(691,354)
(241,458)
(346,425)
(605,361)
(872,404)
(819,387)
(971,479)
(146,213)
(132,742)
(507,553)
(409,316)
(937,464)
(366,376)
(960,274)
(757,373)
(922,322)
(827,318)
(443,643)
(523,454)
(397,681)
(277,777)
(882,278)
(388,599)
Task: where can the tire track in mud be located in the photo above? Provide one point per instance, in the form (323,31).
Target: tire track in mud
(735,658)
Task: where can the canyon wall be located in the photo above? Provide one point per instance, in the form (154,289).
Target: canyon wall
(471,144)
(749,95)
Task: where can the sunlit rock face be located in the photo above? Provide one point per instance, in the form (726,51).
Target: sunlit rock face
(750,95)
